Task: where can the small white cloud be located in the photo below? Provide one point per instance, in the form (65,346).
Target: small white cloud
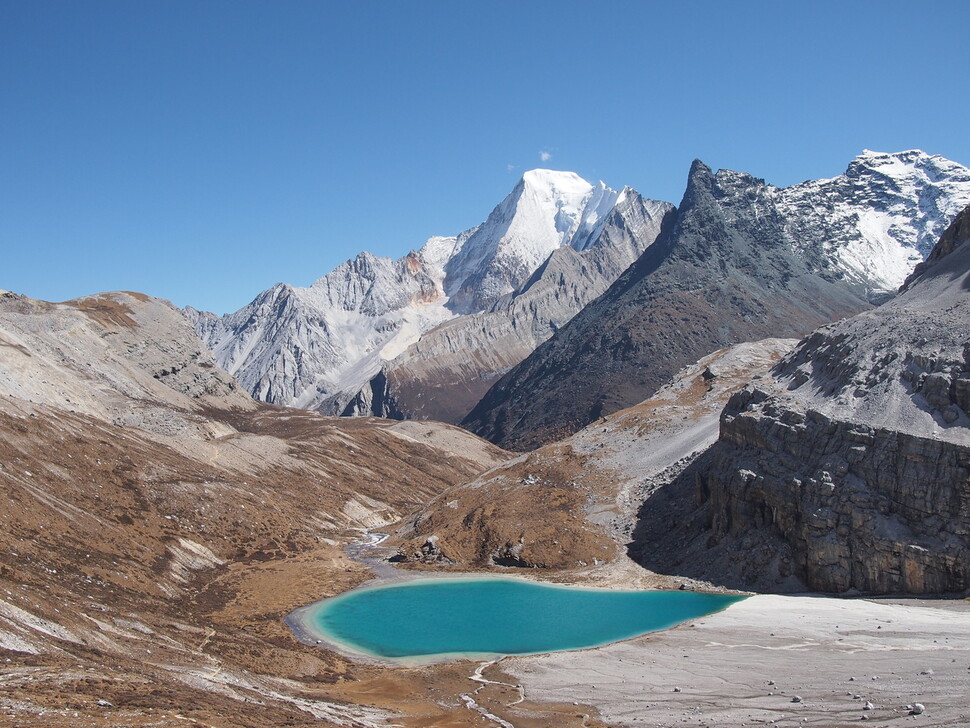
(510,167)
(545,156)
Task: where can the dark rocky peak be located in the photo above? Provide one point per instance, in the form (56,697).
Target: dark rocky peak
(731,219)
(729,184)
(700,182)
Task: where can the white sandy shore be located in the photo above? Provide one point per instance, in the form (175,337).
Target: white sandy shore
(809,646)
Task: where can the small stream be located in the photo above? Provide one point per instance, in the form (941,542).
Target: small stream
(366,551)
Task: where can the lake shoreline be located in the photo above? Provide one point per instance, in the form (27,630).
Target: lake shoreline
(429,620)
(301,620)
(747,664)
(742,665)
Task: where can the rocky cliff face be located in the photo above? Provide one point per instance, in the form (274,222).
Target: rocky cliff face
(742,261)
(850,467)
(857,507)
(299,346)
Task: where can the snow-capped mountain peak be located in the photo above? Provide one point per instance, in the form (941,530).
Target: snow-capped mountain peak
(555,181)
(578,208)
(546,210)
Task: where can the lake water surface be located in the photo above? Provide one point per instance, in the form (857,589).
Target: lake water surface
(494,616)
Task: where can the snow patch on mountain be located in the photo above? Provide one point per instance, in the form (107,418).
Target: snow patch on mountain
(882,216)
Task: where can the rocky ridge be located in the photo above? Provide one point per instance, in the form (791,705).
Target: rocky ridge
(879,218)
(91,356)
(297,346)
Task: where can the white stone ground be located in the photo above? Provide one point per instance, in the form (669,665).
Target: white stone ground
(718,670)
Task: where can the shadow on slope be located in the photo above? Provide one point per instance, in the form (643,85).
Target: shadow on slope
(673,536)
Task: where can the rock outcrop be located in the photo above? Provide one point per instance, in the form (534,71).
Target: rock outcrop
(529,513)
(849,468)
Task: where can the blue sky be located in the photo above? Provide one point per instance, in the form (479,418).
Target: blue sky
(202,151)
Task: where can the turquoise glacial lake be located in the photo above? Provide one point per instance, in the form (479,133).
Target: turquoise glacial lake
(494,616)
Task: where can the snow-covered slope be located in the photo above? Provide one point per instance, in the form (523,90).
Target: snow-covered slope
(880,218)
(315,347)
(546,210)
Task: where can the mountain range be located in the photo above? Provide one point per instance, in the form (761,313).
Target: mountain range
(320,347)
(741,261)
(426,336)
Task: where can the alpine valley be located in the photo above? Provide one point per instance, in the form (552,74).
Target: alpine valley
(760,391)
